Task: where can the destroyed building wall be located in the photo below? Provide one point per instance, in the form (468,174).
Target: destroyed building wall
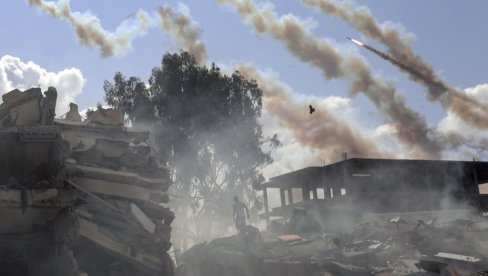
(383,185)
(389,240)
(77,189)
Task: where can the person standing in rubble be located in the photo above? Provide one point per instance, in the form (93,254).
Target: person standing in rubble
(239,215)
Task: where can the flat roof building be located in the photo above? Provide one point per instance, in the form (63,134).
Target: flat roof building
(381,185)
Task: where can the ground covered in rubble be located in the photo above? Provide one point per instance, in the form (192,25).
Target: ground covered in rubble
(392,246)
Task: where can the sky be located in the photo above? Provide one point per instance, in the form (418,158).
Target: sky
(40,50)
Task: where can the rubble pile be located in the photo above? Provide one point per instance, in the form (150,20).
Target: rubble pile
(392,246)
(79,197)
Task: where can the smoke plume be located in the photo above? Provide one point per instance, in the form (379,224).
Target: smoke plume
(89,31)
(321,130)
(411,128)
(183,30)
(401,54)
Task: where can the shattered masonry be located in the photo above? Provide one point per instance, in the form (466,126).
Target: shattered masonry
(371,217)
(383,185)
(79,197)
(85,197)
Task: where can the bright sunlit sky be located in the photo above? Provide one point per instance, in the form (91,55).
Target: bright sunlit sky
(451,35)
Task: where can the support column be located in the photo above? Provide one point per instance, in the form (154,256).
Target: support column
(266,207)
(282,197)
(314,191)
(305,194)
(290,196)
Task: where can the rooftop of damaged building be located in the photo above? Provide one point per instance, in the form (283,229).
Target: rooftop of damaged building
(382,185)
(104,173)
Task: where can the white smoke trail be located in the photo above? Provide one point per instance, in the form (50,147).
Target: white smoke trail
(399,46)
(184,30)
(321,131)
(411,128)
(89,31)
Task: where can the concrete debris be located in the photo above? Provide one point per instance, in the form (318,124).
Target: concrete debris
(144,221)
(86,197)
(82,197)
(73,114)
(301,221)
(104,116)
(442,246)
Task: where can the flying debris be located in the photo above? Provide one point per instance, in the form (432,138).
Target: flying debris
(311,109)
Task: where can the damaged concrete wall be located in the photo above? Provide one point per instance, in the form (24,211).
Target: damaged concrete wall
(84,188)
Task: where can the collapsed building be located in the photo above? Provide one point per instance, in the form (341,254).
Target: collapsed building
(361,217)
(79,197)
(380,186)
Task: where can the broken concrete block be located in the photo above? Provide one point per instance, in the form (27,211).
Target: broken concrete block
(73,114)
(457,257)
(337,268)
(156,211)
(34,92)
(105,117)
(288,268)
(114,189)
(12,96)
(49,106)
(289,238)
(26,114)
(112,149)
(40,159)
(143,220)
(38,195)
(107,240)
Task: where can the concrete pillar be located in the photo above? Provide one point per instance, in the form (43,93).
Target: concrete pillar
(290,196)
(282,197)
(266,206)
(305,194)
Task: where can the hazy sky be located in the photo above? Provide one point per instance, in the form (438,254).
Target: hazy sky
(451,35)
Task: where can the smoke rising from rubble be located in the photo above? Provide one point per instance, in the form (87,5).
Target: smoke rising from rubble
(212,214)
(15,73)
(402,55)
(411,127)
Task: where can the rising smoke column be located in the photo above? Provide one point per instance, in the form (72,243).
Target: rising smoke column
(183,30)
(89,31)
(321,130)
(401,54)
(409,125)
